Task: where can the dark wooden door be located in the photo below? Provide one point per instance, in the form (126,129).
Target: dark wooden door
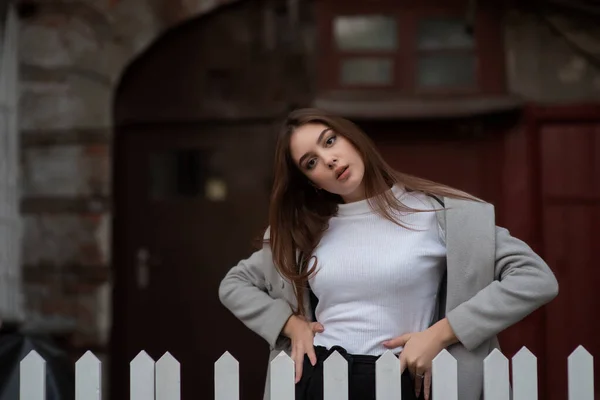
(189,203)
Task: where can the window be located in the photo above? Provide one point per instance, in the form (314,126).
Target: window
(367,45)
(446,54)
(419,48)
(365,32)
(370,71)
(185,173)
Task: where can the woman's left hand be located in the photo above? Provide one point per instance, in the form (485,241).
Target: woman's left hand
(420,348)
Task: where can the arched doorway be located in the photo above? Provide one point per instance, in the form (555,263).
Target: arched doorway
(191,188)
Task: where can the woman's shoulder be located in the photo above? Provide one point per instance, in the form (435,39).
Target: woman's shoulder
(473,215)
(475,205)
(446,203)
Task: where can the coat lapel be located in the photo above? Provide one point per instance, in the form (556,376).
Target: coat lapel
(470,248)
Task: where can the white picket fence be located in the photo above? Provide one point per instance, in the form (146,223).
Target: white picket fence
(160,380)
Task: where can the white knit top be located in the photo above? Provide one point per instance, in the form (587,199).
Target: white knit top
(377,280)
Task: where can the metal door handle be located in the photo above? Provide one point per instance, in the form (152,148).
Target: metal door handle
(143,261)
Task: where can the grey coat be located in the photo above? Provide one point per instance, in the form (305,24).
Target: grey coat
(493,280)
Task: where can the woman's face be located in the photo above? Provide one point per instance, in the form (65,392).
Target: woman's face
(329,160)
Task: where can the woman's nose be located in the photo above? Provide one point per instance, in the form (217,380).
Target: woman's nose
(332,163)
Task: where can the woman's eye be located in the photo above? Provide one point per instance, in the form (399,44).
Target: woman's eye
(330,141)
(311,163)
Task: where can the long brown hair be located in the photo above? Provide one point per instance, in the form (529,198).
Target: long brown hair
(299,213)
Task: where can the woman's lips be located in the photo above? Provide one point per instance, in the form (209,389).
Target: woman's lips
(344,174)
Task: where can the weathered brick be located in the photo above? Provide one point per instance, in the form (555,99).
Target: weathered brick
(65,275)
(80,101)
(58,40)
(73,287)
(66,171)
(82,315)
(63,240)
(59,305)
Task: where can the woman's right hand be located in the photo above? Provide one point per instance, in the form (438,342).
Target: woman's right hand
(302,334)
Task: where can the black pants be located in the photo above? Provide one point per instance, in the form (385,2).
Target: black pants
(361,377)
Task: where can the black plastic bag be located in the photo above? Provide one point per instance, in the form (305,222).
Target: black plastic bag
(60,371)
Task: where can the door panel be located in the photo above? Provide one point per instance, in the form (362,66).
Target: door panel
(570,165)
(571,161)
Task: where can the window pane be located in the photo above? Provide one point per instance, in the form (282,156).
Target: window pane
(446,70)
(443,33)
(369,71)
(365,32)
(184,173)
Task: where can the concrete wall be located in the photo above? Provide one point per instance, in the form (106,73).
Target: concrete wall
(543,63)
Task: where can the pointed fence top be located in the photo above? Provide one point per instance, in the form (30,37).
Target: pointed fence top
(226,359)
(142,359)
(580,353)
(282,360)
(444,357)
(387,358)
(167,361)
(336,359)
(88,359)
(496,358)
(33,358)
(523,354)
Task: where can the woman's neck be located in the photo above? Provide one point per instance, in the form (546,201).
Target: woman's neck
(356,195)
(360,195)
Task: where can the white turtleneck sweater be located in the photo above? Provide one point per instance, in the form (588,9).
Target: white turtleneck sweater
(377,280)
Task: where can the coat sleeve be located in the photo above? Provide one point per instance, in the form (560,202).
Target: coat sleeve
(243,291)
(522,283)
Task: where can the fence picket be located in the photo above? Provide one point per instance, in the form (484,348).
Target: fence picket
(32,381)
(88,377)
(581,375)
(227,378)
(387,377)
(444,377)
(524,375)
(335,377)
(496,385)
(168,378)
(282,377)
(162,380)
(142,377)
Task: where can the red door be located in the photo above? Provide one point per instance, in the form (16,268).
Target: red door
(570,216)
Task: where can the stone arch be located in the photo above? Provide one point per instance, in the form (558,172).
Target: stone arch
(238,76)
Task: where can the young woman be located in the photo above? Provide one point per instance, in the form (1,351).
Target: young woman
(362,259)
